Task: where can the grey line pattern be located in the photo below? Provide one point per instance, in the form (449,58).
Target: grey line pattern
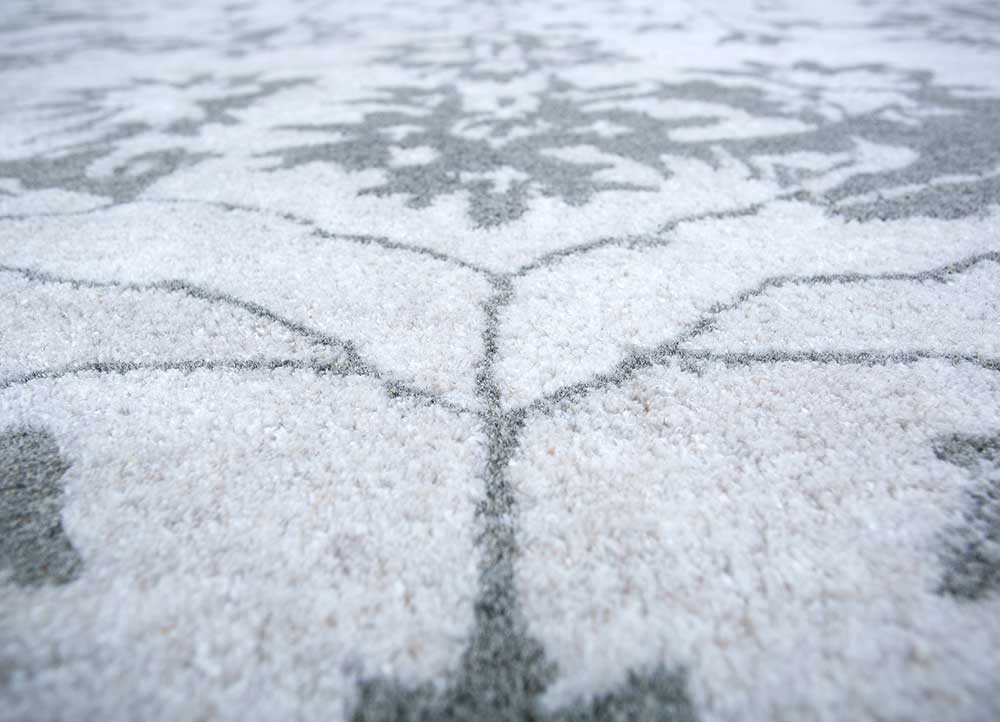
(671,348)
(393,388)
(186,366)
(353,360)
(649,240)
(547,259)
(503,671)
(462,139)
(386,243)
(488,390)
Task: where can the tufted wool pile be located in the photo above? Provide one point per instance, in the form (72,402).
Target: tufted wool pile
(499,362)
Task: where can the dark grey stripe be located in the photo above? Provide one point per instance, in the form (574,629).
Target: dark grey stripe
(354,361)
(503,672)
(394,389)
(671,348)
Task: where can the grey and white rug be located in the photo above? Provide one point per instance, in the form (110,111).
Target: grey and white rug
(550,361)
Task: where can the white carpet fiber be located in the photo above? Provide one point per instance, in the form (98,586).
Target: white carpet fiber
(442,361)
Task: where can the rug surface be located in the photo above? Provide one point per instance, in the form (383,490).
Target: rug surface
(549,361)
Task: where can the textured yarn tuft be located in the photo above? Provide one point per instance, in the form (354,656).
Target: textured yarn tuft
(448,361)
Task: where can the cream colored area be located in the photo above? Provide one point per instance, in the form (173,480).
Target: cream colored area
(412,316)
(582,316)
(774,529)
(253,544)
(955,315)
(45,325)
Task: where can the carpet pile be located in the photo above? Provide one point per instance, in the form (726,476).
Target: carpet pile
(499,361)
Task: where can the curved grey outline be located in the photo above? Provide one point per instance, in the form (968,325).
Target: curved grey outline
(546,259)
(671,348)
(504,670)
(393,389)
(354,361)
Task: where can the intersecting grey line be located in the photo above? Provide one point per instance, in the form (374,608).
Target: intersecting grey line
(501,298)
(393,389)
(671,349)
(504,669)
(939,274)
(390,245)
(369,240)
(663,356)
(354,361)
(361,239)
(486,384)
(645,240)
(355,364)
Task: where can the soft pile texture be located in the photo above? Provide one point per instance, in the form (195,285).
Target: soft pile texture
(545,361)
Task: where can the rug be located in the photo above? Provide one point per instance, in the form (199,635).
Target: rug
(499,361)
